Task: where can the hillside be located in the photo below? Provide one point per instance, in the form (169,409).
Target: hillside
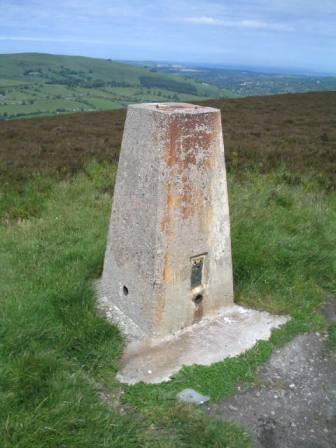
(59,358)
(33,84)
(250,82)
(298,131)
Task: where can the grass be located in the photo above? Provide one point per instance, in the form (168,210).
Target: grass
(59,358)
(55,349)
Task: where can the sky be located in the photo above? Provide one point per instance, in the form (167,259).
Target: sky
(294,34)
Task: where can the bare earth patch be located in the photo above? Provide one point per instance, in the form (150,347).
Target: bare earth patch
(294,403)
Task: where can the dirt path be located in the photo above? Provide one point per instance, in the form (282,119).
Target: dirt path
(294,404)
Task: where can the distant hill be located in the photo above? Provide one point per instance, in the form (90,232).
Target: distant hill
(248,82)
(42,84)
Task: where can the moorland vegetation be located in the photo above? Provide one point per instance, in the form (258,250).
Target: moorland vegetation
(59,358)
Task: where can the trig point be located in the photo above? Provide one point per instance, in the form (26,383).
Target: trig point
(168,266)
(168,257)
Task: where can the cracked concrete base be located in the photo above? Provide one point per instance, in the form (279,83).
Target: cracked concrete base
(227,334)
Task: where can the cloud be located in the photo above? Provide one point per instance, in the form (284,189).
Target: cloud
(280,33)
(52,39)
(257,24)
(203,20)
(249,24)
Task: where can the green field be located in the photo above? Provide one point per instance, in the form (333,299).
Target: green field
(42,84)
(34,84)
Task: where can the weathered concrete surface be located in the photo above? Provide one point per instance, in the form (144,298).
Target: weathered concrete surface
(170,205)
(227,334)
(294,403)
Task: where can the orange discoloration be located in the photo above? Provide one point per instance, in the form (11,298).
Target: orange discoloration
(161,304)
(185,198)
(171,157)
(164,225)
(190,138)
(166,269)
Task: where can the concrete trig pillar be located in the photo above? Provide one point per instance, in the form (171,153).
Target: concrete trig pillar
(168,256)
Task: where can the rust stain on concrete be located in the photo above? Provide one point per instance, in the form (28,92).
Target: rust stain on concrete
(159,309)
(189,141)
(165,223)
(166,269)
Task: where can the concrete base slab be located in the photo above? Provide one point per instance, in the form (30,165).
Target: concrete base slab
(226,334)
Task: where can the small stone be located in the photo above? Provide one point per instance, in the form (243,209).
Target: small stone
(292,386)
(192,397)
(257,394)
(232,408)
(149,372)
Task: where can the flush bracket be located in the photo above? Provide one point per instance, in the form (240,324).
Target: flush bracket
(197,271)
